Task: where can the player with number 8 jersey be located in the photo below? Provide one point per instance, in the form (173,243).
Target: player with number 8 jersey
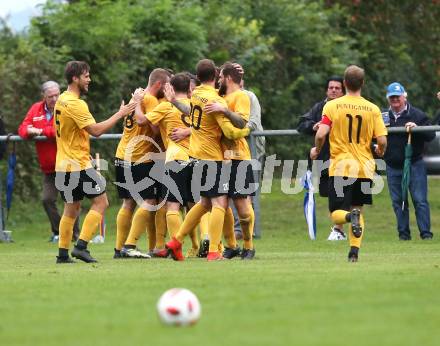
(133,164)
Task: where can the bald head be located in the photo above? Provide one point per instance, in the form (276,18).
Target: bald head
(159,75)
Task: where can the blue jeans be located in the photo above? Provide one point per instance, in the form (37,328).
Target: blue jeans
(418,188)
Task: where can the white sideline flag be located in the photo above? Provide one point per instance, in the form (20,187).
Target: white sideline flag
(309,204)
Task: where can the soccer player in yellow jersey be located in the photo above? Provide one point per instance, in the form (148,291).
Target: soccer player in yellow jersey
(206,149)
(241,183)
(75,176)
(133,163)
(352,122)
(177,180)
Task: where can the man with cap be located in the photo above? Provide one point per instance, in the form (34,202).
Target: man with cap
(403,114)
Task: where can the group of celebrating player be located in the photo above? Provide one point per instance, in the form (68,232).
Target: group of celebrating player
(187,150)
(184,146)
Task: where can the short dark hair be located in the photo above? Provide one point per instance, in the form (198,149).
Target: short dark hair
(158,75)
(338,79)
(354,77)
(180,82)
(205,70)
(229,70)
(75,69)
(192,76)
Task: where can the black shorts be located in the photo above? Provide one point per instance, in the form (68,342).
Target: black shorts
(210,178)
(242,180)
(323,183)
(73,186)
(176,185)
(138,180)
(344,196)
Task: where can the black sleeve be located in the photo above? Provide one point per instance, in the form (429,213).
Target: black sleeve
(424,121)
(308,120)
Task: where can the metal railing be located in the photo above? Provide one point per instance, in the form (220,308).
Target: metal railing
(253,135)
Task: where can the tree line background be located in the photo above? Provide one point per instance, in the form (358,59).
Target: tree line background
(288,48)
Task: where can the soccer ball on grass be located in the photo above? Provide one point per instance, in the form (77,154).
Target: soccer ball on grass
(178,307)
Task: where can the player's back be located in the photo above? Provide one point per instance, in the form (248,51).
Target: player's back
(73,146)
(238,102)
(168,118)
(355,121)
(205,132)
(131,147)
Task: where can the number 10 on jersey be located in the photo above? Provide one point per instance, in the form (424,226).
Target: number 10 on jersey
(196,116)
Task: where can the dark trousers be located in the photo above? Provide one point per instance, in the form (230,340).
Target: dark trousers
(50,195)
(418,189)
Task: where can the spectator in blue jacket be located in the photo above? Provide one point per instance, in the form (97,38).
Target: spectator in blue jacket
(399,114)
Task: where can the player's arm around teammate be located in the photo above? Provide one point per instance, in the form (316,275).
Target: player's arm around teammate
(138,175)
(241,177)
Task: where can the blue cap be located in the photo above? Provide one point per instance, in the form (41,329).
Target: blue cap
(395,89)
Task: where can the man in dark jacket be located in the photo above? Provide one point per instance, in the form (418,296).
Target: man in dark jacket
(400,114)
(39,121)
(308,125)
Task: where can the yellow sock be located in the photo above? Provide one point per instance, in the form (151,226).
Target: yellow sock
(191,220)
(194,238)
(339,217)
(150,225)
(247,226)
(123,223)
(90,225)
(161,227)
(251,227)
(142,219)
(353,240)
(204,226)
(228,229)
(66,231)
(174,222)
(216,227)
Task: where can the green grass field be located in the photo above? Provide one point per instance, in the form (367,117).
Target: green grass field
(297,292)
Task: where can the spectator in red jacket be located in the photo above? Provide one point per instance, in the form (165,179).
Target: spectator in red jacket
(39,122)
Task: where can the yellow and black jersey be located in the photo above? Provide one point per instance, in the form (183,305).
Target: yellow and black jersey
(354,123)
(238,102)
(206,131)
(72,115)
(168,117)
(133,147)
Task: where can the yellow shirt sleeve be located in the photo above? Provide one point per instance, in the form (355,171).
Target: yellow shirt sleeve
(229,130)
(379,126)
(243,106)
(149,103)
(81,114)
(158,113)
